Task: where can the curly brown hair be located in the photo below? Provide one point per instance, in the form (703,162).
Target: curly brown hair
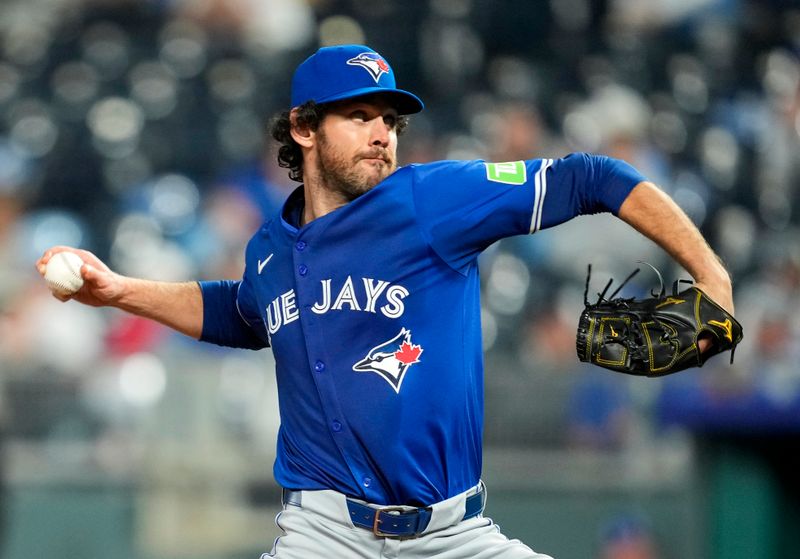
(309,114)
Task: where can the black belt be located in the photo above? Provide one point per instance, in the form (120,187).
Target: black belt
(392,521)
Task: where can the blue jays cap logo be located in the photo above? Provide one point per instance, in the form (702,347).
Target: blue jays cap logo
(372,63)
(391,359)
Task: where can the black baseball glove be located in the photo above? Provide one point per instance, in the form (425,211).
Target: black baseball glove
(655,336)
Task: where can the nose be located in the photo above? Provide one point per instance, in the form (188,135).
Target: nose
(380,133)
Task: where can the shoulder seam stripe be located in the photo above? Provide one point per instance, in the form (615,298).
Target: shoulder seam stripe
(540,191)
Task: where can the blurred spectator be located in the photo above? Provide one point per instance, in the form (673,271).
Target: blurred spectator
(276,25)
(238,202)
(628,536)
(514,131)
(600,411)
(778,140)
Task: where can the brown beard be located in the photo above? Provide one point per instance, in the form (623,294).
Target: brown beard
(341,175)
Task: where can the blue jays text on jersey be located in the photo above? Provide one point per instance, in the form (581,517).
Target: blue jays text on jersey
(373,315)
(283,309)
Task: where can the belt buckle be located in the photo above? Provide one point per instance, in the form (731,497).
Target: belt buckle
(376,529)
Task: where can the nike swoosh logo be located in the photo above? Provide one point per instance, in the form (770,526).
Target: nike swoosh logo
(263,263)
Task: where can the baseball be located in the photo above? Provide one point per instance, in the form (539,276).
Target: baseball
(63,273)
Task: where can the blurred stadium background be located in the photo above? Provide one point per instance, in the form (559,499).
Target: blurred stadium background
(136,129)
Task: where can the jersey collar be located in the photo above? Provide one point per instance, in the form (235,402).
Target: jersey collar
(293,210)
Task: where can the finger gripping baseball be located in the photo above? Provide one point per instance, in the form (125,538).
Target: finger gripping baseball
(654,336)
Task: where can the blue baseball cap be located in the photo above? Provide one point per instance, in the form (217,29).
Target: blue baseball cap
(348,71)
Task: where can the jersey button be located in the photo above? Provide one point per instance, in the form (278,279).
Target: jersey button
(301,245)
(367,481)
(302,269)
(319,366)
(336,426)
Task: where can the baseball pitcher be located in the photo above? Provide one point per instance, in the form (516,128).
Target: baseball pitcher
(365,286)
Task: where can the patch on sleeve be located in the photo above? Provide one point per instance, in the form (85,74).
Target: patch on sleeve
(510,172)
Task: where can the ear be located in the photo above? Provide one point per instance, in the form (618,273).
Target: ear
(302,134)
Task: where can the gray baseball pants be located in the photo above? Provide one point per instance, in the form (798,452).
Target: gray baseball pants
(317,525)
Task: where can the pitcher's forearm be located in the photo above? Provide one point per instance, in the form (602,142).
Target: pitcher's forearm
(177,305)
(656,215)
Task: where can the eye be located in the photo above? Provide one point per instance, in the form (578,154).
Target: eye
(358,115)
(390,120)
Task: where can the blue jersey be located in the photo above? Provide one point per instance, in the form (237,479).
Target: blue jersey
(373,314)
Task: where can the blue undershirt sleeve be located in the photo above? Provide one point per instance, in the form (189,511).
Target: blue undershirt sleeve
(225,322)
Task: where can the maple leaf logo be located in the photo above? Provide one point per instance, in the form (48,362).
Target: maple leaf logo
(408,353)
